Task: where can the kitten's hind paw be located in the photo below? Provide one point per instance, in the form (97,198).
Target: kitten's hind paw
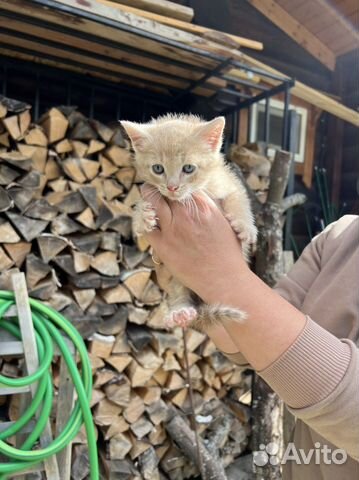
(182,317)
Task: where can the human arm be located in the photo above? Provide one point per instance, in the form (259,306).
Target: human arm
(305,364)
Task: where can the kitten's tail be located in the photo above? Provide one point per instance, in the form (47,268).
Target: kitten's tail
(209,315)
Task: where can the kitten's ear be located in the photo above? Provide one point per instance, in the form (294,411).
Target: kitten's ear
(135,134)
(211,132)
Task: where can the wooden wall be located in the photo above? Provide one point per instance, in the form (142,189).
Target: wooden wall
(346,179)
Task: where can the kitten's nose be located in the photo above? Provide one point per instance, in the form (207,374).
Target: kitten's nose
(172,188)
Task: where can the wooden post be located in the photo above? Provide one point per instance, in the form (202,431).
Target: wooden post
(31,359)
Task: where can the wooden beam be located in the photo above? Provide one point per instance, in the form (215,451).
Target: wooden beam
(113,69)
(94,47)
(283,20)
(54,17)
(220,37)
(162,7)
(310,95)
(81,70)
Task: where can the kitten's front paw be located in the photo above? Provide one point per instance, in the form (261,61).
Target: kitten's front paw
(182,317)
(144,218)
(247,233)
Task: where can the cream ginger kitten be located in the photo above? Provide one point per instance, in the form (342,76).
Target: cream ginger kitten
(179,155)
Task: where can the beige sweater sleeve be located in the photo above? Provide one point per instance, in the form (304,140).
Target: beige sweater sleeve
(294,286)
(318,376)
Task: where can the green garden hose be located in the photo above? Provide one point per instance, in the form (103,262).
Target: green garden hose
(48,325)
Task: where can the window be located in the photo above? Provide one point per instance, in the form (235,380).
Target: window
(275,127)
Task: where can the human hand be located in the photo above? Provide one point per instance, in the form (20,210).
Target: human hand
(197,245)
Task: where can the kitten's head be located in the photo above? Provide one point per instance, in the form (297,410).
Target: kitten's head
(176,153)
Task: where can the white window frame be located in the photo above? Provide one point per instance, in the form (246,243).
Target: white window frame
(303,112)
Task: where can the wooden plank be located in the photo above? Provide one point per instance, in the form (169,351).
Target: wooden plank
(108,12)
(31,358)
(28,428)
(65,402)
(111,33)
(13,390)
(225,38)
(310,95)
(162,7)
(112,68)
(11,348)
(111,52)
(84,71)
(283,20)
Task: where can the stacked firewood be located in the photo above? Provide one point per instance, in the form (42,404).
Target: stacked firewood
(67,188)
(255,166)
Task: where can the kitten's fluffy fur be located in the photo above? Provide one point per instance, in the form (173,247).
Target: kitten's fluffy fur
(173,141)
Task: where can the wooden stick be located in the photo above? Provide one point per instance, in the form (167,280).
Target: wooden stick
(185,438)
(32,359)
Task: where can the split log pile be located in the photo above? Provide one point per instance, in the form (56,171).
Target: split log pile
(67,187)
(255,166)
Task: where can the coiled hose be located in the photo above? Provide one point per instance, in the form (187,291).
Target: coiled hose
(48,325)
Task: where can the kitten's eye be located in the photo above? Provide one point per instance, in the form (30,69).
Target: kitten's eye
(188,168)
(158,169)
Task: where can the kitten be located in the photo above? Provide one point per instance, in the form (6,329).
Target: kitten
(180,155)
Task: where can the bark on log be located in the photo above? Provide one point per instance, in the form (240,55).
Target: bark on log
(181,433)
(267,406)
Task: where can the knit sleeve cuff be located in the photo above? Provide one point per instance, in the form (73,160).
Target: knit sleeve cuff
(310,369)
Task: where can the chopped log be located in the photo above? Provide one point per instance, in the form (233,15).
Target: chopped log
(107,167)
(106,263)
(162,341)
(5,201)
(157,436)
(29,228)
(17,160)
(138,375)
(17,251)
(64,146)
(120,157)
(103,131)
(7,175)
(148,463)
(141,428)
(119,362)
(120,445)
(147,358)
(41,209)
(185,438)
(12,126)
(79,149)
(126,176)
(105,412)
(51,245)
(52,169)
(134,410)
(36,136)
(4,138)
(136,281)
(95,146)
(117,294)
(54,124)
(101,345)
(86,218)
(119,393)
(5,261)
(83,131)
(36,270)
(158,412)
(84,297)
(24,121)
